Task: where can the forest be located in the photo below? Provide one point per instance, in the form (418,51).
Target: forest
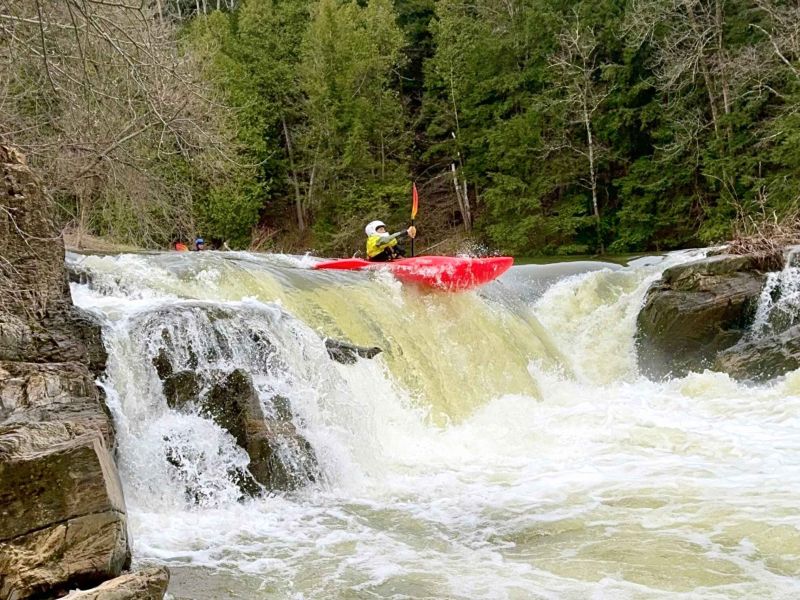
(530,127)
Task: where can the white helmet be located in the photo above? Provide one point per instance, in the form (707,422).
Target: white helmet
(371,229)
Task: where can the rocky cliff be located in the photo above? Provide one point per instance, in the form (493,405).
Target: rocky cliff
(62,513)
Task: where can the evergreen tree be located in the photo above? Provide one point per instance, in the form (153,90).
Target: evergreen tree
(355,140)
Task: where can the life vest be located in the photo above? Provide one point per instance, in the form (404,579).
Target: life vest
(374,247)
(181,247)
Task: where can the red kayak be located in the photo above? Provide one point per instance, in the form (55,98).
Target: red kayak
(449,273)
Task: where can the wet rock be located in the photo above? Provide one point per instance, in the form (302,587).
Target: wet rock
(87,327)
(347,353)
(232,402)
(281,407)
(285,459)
(762,359)
(194,491)
(77,274)
(246,482)
(697,310)
(181,389)
(145,584)
(280,458)
(182,392)
(162,364)
(63,511)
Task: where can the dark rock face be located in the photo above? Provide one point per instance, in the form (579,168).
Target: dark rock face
(181,389)
(697,310)
(280,458)
(30,244)
(762,359)
(347,353)
(234,405)
(62,514)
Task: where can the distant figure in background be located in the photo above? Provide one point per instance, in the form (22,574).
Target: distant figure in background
(181,247)
(382,247)
(199,244)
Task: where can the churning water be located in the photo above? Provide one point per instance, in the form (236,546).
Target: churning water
(503,446)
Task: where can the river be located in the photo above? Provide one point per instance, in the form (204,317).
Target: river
(503,446)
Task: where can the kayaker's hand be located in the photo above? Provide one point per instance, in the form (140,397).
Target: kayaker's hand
(412,232)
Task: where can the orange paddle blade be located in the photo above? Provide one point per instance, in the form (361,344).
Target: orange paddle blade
(415,200)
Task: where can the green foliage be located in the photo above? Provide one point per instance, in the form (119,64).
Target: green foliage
(354,139)
(675,118)
(229,211)
(251,57)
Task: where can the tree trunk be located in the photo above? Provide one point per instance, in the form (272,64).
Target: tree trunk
(726,93)
(461,199)
(593,176)
(311,182)
(467,209)
(83,218)
(298,197)
(709,82)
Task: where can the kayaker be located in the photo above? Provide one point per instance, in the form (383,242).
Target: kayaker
(199,244)
(382,247)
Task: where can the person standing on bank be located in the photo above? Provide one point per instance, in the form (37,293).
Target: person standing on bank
(383,247)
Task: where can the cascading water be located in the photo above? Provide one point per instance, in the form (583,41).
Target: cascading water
(502,446)
(779,304)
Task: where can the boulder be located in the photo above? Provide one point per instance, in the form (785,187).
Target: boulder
(145,584)
(63,510)
(181,389)
(280,458)
(697,310)
(347,353)
(62,393)
(762,359)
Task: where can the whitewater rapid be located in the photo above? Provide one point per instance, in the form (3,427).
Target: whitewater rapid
(502,446)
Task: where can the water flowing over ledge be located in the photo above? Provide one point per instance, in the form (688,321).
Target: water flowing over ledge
(503,445)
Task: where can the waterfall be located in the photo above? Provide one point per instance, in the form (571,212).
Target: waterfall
(779,304)
(502,445)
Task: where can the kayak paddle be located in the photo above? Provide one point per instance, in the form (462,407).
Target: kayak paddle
(414,206)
